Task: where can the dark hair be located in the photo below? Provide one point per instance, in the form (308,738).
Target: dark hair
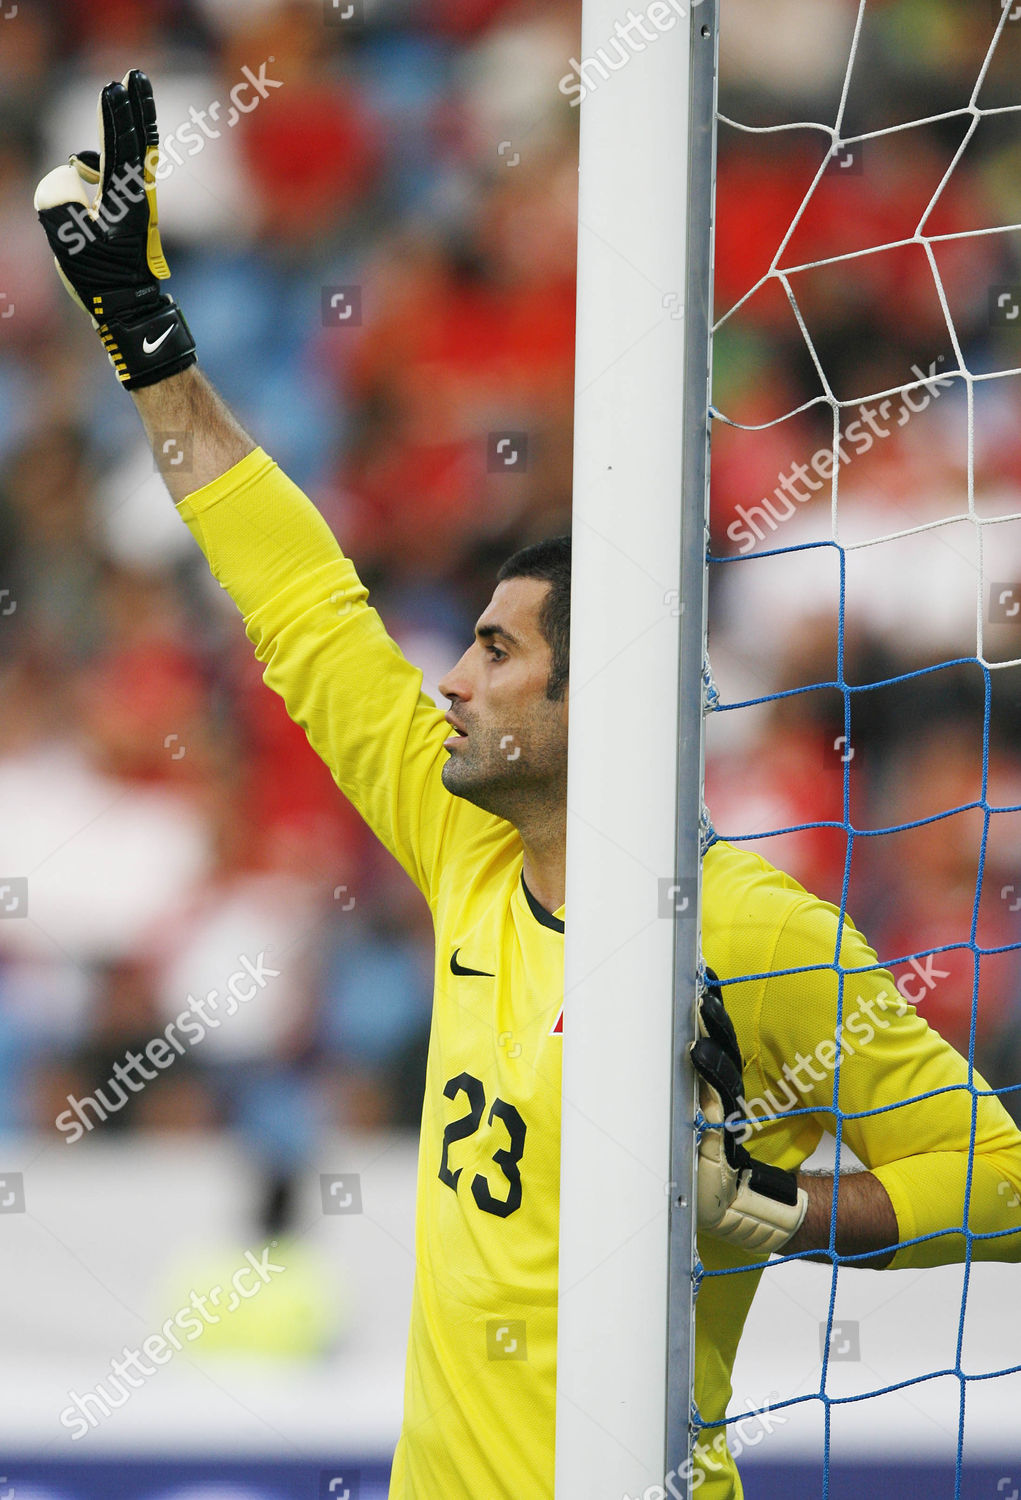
(549,561)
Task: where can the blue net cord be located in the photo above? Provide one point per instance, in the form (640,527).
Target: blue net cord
(972,115)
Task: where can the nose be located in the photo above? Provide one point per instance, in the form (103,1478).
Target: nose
(455,684)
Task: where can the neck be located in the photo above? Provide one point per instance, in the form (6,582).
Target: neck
(544,865)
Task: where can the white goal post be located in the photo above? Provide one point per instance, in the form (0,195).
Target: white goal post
(647,97)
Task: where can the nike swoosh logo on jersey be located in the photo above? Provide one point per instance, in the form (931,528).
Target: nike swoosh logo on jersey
(456,968)
(148,348)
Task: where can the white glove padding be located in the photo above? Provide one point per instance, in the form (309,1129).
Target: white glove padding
(741,1200)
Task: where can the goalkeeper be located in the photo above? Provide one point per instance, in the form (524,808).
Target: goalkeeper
(473,805)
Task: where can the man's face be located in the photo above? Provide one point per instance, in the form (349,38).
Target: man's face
(513,753)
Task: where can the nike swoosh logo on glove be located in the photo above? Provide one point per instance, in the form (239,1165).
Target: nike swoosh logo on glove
(150,348)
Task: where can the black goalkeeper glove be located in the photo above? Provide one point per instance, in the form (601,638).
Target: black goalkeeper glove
(741,1200)
(99,214)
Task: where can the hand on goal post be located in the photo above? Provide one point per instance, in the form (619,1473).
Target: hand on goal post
(746,1202)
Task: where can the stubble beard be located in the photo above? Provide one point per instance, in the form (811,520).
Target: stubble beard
(483,776)
(506,788)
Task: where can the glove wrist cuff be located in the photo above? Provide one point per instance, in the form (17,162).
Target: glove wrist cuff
(763,1224)
(149,345)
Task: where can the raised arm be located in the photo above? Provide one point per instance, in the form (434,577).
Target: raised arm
(305,610)
(188,404)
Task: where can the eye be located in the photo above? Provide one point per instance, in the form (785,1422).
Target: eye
(495,654)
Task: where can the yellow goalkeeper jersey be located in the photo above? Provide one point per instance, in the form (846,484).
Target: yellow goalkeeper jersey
(480,1384)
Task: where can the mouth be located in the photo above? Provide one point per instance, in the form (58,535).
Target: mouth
(458,735)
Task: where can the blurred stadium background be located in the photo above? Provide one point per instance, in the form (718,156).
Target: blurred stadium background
(168,818)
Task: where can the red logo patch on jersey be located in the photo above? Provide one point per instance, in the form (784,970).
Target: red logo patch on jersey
(558,1029)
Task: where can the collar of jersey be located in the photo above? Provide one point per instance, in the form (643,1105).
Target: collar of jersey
(539,912)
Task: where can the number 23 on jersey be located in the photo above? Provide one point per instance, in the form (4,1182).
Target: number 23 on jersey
(507,1182)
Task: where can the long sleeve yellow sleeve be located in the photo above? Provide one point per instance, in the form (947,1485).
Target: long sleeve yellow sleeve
(327,654)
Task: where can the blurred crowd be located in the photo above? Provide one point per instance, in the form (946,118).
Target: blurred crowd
(160,817)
